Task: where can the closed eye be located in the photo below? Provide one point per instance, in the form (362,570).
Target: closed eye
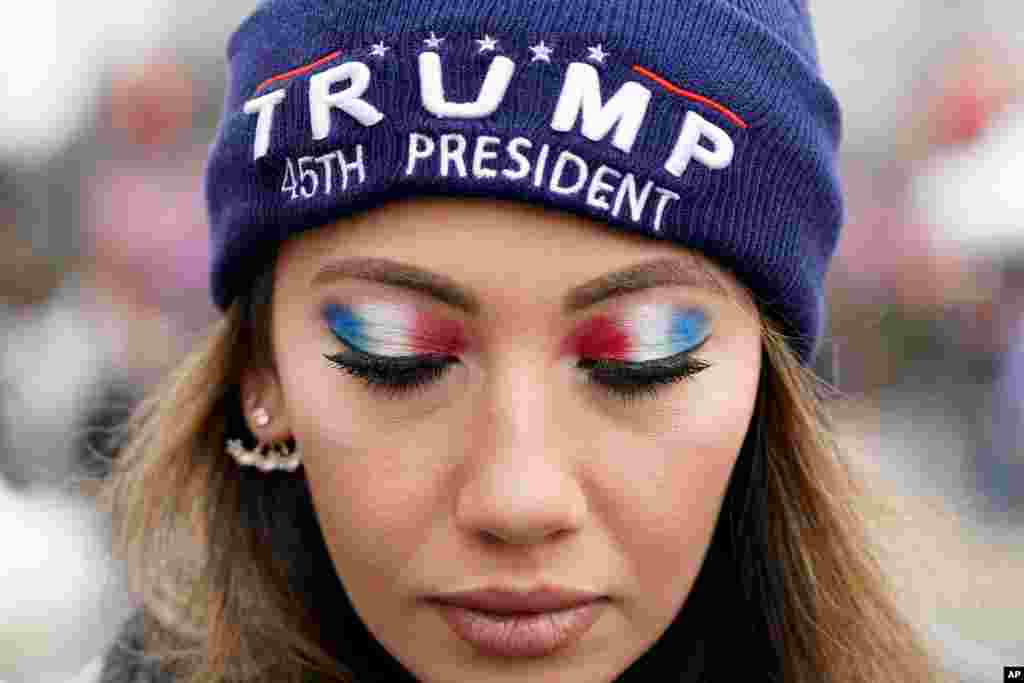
(400,377)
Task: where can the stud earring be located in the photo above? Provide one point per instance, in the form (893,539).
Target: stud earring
(261,417)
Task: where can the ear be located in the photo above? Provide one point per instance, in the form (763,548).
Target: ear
(263,405)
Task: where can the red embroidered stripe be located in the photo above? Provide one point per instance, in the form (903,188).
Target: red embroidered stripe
(299,70)
(690,95)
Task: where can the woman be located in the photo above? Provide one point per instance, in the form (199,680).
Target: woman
(519,303)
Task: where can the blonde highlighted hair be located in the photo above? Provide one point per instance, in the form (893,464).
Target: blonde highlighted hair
(237,584)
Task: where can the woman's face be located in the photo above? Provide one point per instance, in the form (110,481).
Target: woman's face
(515,465)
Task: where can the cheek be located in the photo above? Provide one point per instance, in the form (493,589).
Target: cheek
(672,488)
(671,496)
(371,514)
(366,483)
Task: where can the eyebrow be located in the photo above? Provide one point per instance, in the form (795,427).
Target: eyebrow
(659,272)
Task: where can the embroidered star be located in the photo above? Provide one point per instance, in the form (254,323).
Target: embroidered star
(379,49)
(487,43)
(541,51)
(597,53)
(433,41)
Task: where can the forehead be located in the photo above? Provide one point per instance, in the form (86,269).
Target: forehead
(474,250)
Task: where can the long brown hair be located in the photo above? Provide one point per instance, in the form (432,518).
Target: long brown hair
(237,583)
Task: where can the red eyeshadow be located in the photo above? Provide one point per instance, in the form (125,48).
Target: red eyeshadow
(599,337)
(433,335)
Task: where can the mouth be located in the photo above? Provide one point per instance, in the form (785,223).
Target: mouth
(507,623)
(522,635)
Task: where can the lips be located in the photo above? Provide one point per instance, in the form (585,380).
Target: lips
(509,623)
(506,601)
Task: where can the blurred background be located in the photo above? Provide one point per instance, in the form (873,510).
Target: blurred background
(109,108)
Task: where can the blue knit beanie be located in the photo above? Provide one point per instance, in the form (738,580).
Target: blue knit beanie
(703,122)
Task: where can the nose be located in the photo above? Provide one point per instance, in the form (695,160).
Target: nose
(519,482)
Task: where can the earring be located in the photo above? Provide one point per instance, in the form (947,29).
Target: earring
(274,457)
(261,417)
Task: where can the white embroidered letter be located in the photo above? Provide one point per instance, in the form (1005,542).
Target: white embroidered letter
(264,106)
(581,92)
(688,145)
(523,163)
(479,154)
(556,174)
(596,187)
(542,160)
(321,100)
(416,151)
(453,154)
(356,165)
(636,203)
(499,73)
(664,196)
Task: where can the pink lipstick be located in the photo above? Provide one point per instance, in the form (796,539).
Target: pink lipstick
(508,624)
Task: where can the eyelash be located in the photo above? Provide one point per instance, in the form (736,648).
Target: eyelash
(624,380)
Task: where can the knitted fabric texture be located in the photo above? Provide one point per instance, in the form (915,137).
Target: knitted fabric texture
(702,122)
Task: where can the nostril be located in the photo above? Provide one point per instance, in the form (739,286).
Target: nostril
(492,538)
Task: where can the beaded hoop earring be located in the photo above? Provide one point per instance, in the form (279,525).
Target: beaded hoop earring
(267,458)
(275,456)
